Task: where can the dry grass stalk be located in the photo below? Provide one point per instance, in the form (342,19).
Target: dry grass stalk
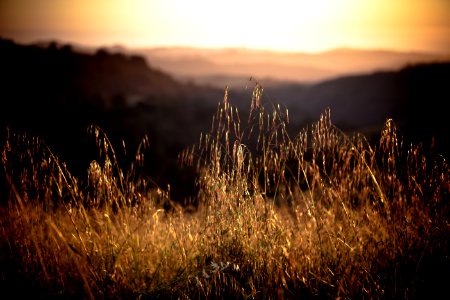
(321,214)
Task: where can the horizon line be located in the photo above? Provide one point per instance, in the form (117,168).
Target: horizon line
(97,46)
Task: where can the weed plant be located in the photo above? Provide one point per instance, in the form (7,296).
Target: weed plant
(322,214)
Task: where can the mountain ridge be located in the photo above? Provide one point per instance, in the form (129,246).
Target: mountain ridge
(195,65)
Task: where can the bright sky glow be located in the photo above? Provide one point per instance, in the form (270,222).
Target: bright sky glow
(297,25)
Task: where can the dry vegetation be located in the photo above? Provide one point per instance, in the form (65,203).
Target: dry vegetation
(319,215)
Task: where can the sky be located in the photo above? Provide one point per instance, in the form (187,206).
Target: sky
(282,25)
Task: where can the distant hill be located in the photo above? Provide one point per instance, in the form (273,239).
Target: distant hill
(206,66)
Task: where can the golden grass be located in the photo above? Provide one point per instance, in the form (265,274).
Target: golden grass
(322,214)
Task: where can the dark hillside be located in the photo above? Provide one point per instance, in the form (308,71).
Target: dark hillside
(56,93)
(423,112)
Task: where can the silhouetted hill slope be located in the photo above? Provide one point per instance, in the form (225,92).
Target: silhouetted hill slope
(39,81)
(68,74)
(423,111)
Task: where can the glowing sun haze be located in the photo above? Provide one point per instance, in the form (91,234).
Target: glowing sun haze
(298,25)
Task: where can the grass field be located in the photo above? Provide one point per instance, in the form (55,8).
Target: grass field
(321,214)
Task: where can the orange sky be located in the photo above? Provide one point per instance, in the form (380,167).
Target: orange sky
(297,25)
